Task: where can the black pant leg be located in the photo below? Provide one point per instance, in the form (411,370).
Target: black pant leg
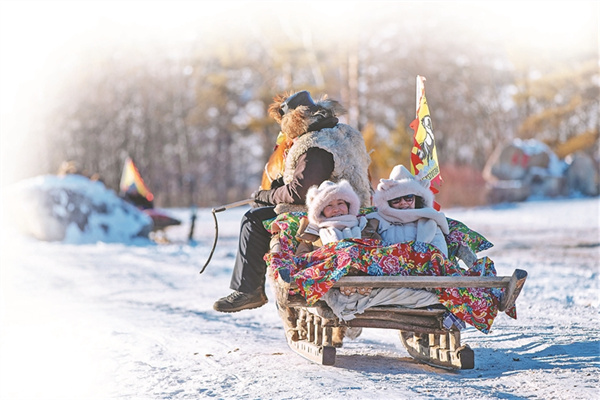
(250,268)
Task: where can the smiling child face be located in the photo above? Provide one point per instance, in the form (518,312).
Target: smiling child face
(335,208)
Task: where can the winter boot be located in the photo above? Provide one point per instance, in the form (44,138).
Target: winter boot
(238,301)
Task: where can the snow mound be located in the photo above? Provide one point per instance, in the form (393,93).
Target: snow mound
(73,209)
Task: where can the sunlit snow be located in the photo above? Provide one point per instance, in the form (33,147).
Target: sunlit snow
(135,320)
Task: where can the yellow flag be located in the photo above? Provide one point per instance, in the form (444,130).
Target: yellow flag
(423,158)
(132,182)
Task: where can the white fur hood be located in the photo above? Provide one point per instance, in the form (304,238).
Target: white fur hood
(317,199)
(401,183)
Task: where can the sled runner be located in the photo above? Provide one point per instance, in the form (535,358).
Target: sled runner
(430,334)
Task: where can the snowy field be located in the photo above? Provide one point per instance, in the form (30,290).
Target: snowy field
(135,321)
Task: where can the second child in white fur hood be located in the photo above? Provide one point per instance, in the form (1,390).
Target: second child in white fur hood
(405,211)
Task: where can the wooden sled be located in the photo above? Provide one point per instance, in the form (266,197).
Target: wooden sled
(315,332)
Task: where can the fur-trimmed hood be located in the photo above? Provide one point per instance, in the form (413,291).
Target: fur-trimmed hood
(298,114)
(317,199)
(401,183)
(397,222)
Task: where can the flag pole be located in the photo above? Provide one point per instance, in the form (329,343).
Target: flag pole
(419,88)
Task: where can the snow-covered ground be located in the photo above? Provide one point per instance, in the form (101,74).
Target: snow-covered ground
(135,321)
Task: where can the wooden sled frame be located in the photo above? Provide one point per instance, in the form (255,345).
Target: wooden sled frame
(315,332)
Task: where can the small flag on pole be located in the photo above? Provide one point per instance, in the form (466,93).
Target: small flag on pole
(423,157)
(132,182)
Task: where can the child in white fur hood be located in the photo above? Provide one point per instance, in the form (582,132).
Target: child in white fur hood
(332,216)
(405,211)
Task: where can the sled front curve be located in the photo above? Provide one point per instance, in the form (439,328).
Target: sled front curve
(314,332)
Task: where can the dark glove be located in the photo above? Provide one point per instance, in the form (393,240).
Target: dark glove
(262,197)
(277,183)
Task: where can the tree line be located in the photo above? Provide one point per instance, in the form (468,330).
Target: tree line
(193,118)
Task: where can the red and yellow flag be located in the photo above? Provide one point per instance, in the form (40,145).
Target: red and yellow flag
(132,182)
(423,157)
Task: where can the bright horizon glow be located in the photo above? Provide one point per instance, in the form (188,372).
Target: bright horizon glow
(27,36)
(544,24)
(30,37)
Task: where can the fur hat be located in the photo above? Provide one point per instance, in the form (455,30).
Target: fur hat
(402,183)
(297,113)
(317,199)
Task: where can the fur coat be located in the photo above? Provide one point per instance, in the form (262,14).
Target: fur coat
(351,161)
(315,125)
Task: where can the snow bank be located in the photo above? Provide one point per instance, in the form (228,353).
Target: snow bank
(73,209)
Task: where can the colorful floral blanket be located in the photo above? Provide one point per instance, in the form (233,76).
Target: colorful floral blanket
(316,272)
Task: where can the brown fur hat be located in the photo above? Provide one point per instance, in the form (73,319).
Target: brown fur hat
(296,112)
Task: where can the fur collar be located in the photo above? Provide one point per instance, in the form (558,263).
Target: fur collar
(306,118)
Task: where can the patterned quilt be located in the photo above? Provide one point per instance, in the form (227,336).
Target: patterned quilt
(316,272)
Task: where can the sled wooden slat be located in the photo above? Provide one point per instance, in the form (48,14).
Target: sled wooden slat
(411,319)
(418,282)
(402,322)
(391,324)
(406,311)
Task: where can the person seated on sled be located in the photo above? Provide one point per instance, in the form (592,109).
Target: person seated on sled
(405,211)
(332,216)
(322,149)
